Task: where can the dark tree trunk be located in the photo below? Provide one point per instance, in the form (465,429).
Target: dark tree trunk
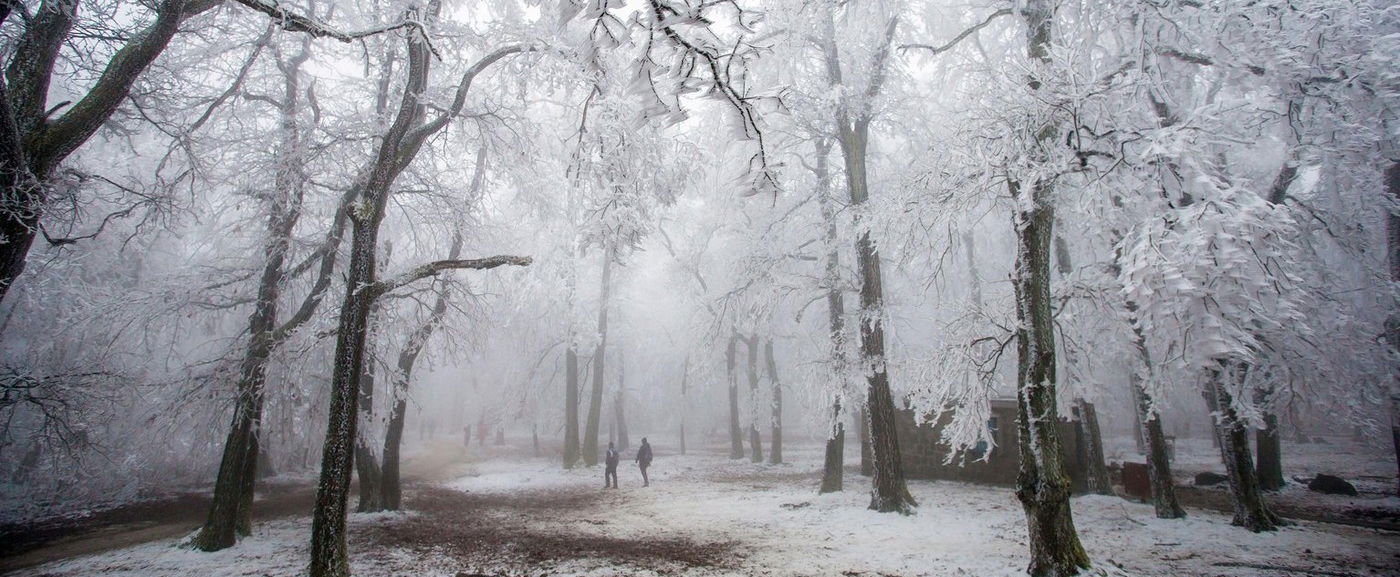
(1042,485)
(1159,463)
(775,455)
(1095,471)
(391,485)
(230,513)
(595,405)
(366,463)
(835,457)
(619,407)
(867,462)
(1251,511)
(755,441)
(395,151)
(889,491)
(736,435)
(1270,466)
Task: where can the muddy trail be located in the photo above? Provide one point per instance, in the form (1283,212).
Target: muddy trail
(490,534)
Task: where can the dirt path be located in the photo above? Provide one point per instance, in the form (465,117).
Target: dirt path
(529,531)
(29,544)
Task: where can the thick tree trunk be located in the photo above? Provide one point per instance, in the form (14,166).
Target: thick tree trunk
(867,460)
(1251,511)
(755,440)
(1270,466)
(221,527)
(391,485)
(736,435)
(328,553)
(1095,471)
(366,463)
(595,406)
(835,457)
(1042,485)
(775,455)
(889,491)
(1159,464)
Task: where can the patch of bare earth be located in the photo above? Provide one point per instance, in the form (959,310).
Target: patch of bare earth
(533,532)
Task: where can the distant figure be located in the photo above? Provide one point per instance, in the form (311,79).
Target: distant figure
(467,437)
(610,468)
(643,460)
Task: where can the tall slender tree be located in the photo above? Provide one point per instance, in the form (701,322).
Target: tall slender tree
(853,117)
(394,152)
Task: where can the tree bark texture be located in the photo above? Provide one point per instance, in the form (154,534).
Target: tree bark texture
(890,494)
(755,440)
(775,454)
(1042,485)
(1251,511)
(1096,472)
(366,463)
(1159,470)
(1392,325)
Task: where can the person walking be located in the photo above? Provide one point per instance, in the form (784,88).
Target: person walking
(644,460)
(610,467)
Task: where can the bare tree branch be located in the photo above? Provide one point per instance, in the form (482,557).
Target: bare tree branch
(435,267)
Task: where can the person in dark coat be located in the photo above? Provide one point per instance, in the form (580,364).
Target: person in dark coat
(610,467)
(644,460)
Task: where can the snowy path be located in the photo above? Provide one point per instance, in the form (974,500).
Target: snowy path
(706,515)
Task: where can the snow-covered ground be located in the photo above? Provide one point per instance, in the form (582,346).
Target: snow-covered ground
(707,515)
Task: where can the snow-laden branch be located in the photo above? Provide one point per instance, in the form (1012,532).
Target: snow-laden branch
(718,65)
(935,50)
(293,22)
(435,267)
